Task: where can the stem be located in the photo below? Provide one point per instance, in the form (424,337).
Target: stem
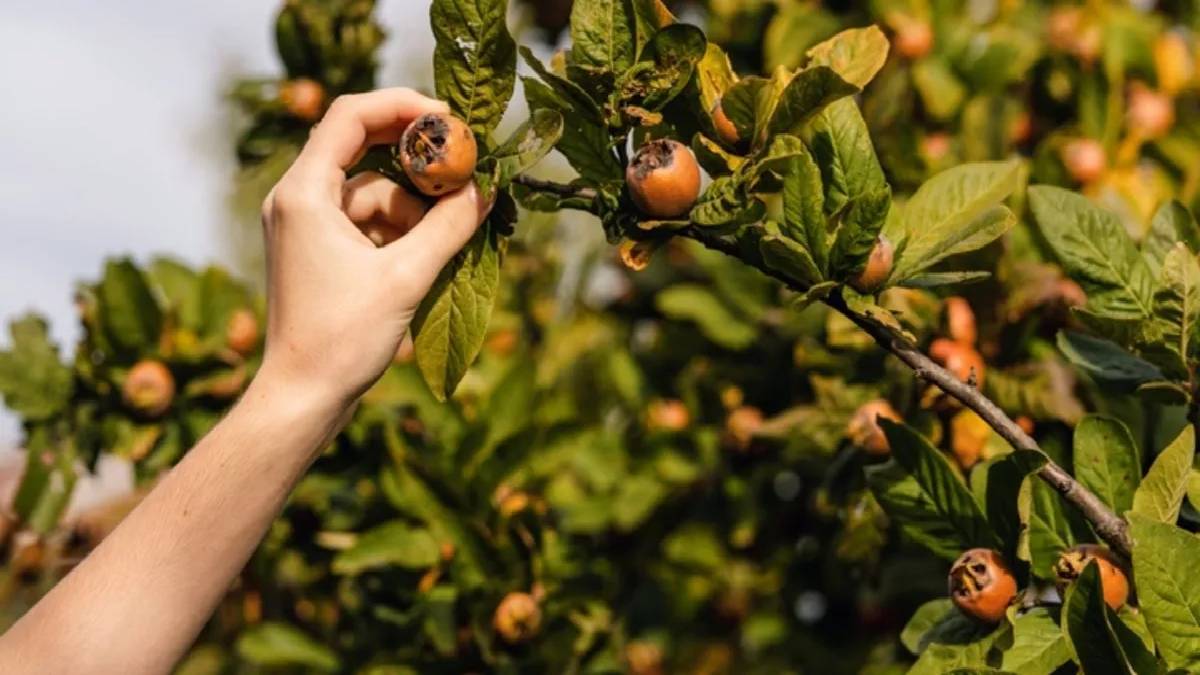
(1108,525)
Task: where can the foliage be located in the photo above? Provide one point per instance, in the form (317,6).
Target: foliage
(662,459)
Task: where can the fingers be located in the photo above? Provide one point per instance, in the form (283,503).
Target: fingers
(382,210)
(445,229)
(357,121)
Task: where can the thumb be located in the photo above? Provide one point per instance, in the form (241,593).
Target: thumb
(445,229)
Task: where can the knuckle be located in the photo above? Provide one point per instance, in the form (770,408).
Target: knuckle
(343,104)
(289,201)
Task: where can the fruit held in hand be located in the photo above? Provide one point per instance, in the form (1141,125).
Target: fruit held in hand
(438,153)
(878,267)
(149,388)
(981,585)
(664,179)
(1084,159)
(517,618)
(241,334)
(1112,578)
(725,128)
(863,429)
(303,98)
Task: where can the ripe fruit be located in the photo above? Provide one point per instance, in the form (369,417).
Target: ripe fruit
(1084,159)
(148,388)
(438,153)
(960,320)
(644,658)
(303,98)
(960,359)
(664,179)
(981,584)
(1151,113)
(741,425)
(935,146)
(863,429)
(1112,578)
(1021,128)
(878,267)
(517,618)
(914,38)
(969,435)
(667,415)
(725,128)
(241,333)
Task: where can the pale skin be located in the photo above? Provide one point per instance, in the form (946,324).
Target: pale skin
(338,308)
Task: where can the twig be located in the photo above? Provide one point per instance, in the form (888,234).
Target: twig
(552,187)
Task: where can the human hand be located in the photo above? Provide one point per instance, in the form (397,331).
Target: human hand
(348,261)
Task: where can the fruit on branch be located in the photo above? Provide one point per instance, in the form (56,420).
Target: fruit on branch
(1173,64)
(878,268)
(438,153)
(1070,565)
(1084,159)
(664,179)
(149,388)
(981,585)
(935,146)
(1151,113)
(863,429)
(1070,30)
(740,426)
(960,320)
(1021,128)
(725,128)
(667,415)
(969,434)
(517,618)
(303,98)
(913,39)
(643,657)
(960,359)
(241,333)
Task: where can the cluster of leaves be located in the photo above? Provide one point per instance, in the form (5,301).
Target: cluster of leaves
(660,459)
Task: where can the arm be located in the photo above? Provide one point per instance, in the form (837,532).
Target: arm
(338,308)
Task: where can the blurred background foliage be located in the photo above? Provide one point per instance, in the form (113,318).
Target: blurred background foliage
(645,472)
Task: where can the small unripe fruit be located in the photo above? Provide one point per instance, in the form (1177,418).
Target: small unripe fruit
(438,153)
(878,267)
(962,360)
(981,585)
(303,98)
(1084,159)
(741,425)
(960,320)
(725,128)
(664,179)
(517,618)
(148,388)
(1151,113)
(241,333)
(667,415)
(1112,578)
(864,431)
(913,39)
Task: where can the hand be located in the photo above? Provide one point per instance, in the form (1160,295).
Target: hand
(339,305)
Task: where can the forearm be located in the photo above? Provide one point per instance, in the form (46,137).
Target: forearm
(138,601)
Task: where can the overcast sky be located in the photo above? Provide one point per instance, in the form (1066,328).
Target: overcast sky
(113,136)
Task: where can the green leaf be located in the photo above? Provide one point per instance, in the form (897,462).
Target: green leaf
(46,484)
(1002,488)
(1052,527)
(941,91)
(1161,492)
(956,642)
(806,94)
(277,644)
(451,322)
(692,302)
(439,622)
(1107,461)
(803,209)
(714,76)
(34,383)
(603,35)
(130,314)
(1106,360)
(584,141)
(924,619)
(750,102)
(856,54)
(858,231)
(936,279)
(725,202)
(393,543)
(957,211)
(1164,571)
(528,144)
(674,52)
(474,60)
(1095,249)
(1039,646)
(1172,224)
(841,146)
(1101,641)
(789,258)
(1177,305)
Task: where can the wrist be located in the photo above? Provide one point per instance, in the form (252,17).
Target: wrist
(293,406)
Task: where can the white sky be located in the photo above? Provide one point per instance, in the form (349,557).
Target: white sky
(114,136)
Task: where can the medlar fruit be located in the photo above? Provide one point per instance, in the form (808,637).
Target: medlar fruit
(981,585)
(878,267)
(241,333)
(517,618)
(725,128)
(1070,565)
(864,431)
(303,98)
(664,179)
(149,388)
(438,153)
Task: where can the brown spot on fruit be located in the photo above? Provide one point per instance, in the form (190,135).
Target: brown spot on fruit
(518,618)
(1070,565)
(438,153)
(664,179)
(241,333)
(878,268)
(981,585)
(864,430)
(149,388)
(303,98)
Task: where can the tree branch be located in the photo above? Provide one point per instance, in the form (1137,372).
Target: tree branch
(560,189)
(1108,525)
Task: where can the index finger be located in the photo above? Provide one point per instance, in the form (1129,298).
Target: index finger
(356,121)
